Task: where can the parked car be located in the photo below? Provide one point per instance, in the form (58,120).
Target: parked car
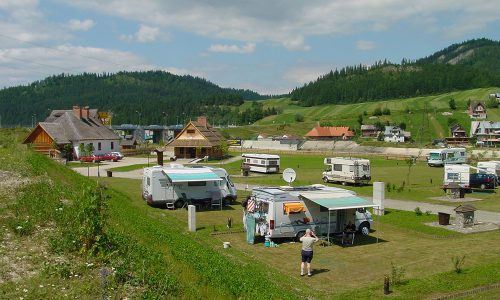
(108,157)
(117,155)
(482,181)
(91,158)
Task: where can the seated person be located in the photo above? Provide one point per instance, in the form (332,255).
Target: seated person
(349,230)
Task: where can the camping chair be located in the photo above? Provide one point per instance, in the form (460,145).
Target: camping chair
(348,237)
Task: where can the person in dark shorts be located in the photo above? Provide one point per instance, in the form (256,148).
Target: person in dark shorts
(307,251)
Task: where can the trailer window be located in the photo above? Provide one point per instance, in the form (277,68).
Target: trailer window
(197,183)
(366,168)
(148,181)
(351,168)
(264,207)
(337,167)
(452,176)
(273,162)
(462,153)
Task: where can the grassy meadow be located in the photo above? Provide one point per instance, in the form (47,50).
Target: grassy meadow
(422,115)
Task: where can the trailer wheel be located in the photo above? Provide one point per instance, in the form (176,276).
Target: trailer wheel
(299,235)
(364,228)
(325,179)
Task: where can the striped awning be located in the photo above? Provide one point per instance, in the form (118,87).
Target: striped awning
(337,201)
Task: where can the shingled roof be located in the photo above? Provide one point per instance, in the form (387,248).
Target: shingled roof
(65,127)
(211,136)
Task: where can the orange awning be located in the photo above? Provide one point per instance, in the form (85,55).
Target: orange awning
(293,208)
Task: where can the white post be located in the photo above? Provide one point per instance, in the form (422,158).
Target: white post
(192,218)
(378,198)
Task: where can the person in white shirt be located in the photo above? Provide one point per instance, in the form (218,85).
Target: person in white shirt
(307,240)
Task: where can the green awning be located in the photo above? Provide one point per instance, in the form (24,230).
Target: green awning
(337,201)
(191,175)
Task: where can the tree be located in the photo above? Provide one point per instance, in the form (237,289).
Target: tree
(360,120)
(402,125)
(377,111)
(452,104)
(224,147)
(299,118)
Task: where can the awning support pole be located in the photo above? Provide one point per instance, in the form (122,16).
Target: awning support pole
(329,226)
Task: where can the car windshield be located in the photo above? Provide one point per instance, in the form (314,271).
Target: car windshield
(434,156)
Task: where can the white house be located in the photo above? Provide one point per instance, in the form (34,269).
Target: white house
(394,134)
(487,133)
(80,125)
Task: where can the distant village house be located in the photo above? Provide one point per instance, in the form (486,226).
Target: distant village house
(330,133)
(487,133)
(369,131)
(477,110)
(394,134)
(79,126)
(197,140)
(457,135)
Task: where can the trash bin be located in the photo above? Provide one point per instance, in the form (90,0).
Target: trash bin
(109,173)
(245,170)
(444,218)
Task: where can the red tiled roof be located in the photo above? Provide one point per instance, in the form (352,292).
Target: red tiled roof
(330,131)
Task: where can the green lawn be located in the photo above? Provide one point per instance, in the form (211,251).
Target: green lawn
(131,167)
(399,238)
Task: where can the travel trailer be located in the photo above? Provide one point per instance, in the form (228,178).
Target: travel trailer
(286,212)
(491,167)
(262,163)
(440,157)
(176,185)
(347,170)
(456,176)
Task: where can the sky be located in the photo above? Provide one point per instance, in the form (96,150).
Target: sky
(270,47)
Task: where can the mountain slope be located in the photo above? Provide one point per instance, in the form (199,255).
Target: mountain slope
(469,65)
(153,97)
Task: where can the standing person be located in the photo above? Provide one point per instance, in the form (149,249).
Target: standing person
(307,251)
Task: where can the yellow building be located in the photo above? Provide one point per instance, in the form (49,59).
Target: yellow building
(197,140)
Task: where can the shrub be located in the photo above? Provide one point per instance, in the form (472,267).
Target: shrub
(299,118)
(397,274)
(458,263)
(418,212)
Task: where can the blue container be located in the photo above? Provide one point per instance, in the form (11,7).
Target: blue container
(267,243)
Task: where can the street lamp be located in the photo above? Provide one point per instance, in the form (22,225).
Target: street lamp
(139,117)
(166,118)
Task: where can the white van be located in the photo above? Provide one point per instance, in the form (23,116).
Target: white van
(176,185)
(262,163)
(286,212)
(347,170)
(490,167)
(440,157)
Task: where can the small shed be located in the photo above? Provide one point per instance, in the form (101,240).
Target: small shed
(464,215)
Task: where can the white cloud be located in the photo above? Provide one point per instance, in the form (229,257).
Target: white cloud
(79,25)
(145,34)
(302,75)
(23,65)
(248,48)
(365,45)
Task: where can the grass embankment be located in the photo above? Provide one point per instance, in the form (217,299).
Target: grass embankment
(424,253)
(422,115)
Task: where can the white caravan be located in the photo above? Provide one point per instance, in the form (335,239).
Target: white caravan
(286,212)
(490,167)
(456,176)
(347,170)
(262,163)
(176,185)
(440,157)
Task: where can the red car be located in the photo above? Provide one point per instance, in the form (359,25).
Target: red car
(92,158)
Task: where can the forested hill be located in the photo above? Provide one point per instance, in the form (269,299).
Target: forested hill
(153,97)
(472,64)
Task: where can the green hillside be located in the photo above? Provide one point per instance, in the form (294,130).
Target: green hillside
(469,65)
(422,115)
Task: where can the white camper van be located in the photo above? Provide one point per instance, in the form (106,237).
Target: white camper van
(347,170)
(490,167)
(440,157)
(176,185)
(262,163)
(286,212)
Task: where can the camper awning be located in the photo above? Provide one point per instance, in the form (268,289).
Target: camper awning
(334,201)
(191,175)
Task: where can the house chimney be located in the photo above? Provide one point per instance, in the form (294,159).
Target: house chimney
(77,111)
(203,121)
(85,112)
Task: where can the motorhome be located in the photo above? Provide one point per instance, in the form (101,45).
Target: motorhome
(286,212)
(440,157)
(177,185)
(347,170)
(262,163)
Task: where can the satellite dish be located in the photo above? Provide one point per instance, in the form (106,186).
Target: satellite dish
(289,175)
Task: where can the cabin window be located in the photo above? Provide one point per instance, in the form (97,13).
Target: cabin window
(99,146)
(337,167)
(273,162)
(148,181)
(190,131)
(197,183)
(112,145)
